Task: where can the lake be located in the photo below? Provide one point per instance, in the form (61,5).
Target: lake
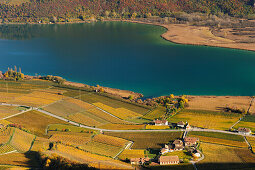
(126,56)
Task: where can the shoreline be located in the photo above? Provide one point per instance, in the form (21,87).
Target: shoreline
(182,34)
(172,35)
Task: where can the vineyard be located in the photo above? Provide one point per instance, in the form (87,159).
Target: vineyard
(131,153)
(248,121)
(92,159)
(144,140)
(84,113)
(71,138)
(35,121)
(104,116)
(86,119)
(69,128)
(110,140)
(20,159)
(7,111)
(112,103)
(21,140)
(6,148)
(37,98)
(218,135)
(80,103)
(105,145)
(118,112)
(5,135)
(122,126)
(207,119)
(156,113)
(157,127)
(251,140)
(225,157)
(101,148)
(220,138)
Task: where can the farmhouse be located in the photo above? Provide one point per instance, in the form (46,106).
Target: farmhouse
(166,149)
(243,130)
(160,122)
(167,160)
(139,161)
(181,124)
(178,145)
(190,141)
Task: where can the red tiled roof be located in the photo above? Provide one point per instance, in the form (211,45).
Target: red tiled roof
(243,129)
(191,139)
(181,123)
(168,158)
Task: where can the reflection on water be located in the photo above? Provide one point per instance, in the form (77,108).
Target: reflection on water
(127,56)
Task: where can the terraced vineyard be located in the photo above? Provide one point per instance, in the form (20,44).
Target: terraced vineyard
(21,140)
(95,98)
(105,116)
(87,119)
(118,112)
(105,145)
(5,135)
(35,121)
(93,160)
(82,112)
(71,138)
(5,148)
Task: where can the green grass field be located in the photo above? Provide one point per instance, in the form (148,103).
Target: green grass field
(144,140)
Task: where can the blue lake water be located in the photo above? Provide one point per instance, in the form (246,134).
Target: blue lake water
(126,56)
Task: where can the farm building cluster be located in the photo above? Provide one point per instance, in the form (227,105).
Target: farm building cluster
(188,143)
(180,124)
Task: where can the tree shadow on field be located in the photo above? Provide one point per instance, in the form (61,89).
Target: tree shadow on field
(33,159)
(226,166)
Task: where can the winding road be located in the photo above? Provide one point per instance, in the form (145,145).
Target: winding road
(109,130)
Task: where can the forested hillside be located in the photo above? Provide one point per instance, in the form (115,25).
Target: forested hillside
(64,10)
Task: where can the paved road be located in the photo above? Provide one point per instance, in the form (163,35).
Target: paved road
(108,130)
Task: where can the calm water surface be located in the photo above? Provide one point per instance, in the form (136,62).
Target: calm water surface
(126,56)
